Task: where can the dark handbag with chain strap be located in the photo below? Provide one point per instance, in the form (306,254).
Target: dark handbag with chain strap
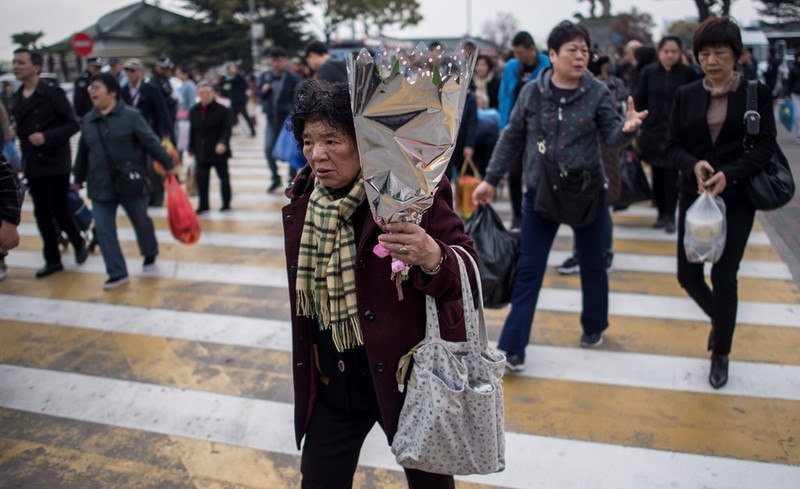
(564,195)
(773,186)
(129,178)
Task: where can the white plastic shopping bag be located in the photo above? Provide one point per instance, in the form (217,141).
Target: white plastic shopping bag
(704,239)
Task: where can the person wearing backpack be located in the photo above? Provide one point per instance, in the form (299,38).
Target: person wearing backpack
(658,83)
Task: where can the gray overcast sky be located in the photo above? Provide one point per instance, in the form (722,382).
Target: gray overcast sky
(444,18)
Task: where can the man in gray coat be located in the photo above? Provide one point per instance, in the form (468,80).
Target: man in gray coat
(115,133)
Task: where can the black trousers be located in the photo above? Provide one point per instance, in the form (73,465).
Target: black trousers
(720,301)
(156,184)
(202,175)
(333,442)
(242,109)
(515,188)
(665,191)
(49,196)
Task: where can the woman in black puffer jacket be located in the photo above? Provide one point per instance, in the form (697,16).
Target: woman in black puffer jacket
(656,91)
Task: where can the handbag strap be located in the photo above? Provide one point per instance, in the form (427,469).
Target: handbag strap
(111,167)
(474,319)
(751,116)
(469,163)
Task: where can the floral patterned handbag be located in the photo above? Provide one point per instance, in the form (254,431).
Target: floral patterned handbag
(452,418)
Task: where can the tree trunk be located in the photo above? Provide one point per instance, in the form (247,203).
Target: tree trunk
(606,7)
(703,10)
(726,7)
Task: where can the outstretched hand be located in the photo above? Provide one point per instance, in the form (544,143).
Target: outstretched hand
(633,119)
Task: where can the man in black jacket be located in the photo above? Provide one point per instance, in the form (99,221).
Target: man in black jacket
(80,97)
(277,94)
(147,98)
(233,86)
(162,72)
(45,121)
(209,142)
(321,64)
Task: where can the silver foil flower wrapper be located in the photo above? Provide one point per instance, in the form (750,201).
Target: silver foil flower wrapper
(407,110)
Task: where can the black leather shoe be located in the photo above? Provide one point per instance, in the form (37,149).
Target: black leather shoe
(49,269)
(719,370)
(82,253)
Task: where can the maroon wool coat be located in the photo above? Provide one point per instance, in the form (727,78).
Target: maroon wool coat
(390,327)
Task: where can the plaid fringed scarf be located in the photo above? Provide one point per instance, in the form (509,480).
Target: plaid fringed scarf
(326,286)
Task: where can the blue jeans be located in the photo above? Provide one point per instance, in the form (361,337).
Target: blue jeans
(105,223)
(608,244)
(536,239)
(270,138)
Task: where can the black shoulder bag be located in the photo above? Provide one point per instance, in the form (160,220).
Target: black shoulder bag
(773,186)
(130,180)
(563,195)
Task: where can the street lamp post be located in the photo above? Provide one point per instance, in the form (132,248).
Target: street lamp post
(469,18)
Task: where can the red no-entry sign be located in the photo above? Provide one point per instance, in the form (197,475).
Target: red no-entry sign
(82,43)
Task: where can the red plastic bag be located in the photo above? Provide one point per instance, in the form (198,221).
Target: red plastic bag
(182,219)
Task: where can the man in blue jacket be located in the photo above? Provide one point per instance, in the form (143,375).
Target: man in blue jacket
(277,94)
(525,66)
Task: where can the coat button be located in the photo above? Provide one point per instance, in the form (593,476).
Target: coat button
(341,366)
(362,264)
(369,315)
(380,367)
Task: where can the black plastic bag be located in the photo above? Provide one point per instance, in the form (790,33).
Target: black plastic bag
(633,182)
(498,253)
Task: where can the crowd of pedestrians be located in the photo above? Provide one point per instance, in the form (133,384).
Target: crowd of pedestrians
(684,120)
(567,105)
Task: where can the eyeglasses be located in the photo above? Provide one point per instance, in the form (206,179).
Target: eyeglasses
(93,88)
(129,70)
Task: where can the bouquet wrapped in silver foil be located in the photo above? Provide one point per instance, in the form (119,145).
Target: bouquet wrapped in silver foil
(407,110)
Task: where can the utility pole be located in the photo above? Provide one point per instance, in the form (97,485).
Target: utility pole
(469,18)
(254,52)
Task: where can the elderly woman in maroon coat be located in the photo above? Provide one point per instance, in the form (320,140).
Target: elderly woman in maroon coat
(349,329)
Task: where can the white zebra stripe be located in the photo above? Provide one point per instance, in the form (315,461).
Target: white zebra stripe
(628,262)
(620,303)
(594,366)
(532,461)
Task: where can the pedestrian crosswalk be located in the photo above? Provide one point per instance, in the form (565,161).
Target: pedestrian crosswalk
(183,377)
